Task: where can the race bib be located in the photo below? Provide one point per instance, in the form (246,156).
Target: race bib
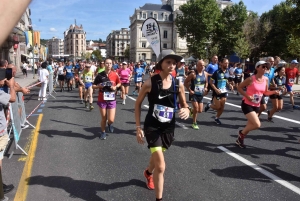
(109,95)
(238,76)
(291,80)
(256,98)
(223,90)
(162,113)
(69,70)
(199,88)
(266,98)
(88,78)
(139,79)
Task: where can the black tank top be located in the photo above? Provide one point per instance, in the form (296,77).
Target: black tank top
(161,97)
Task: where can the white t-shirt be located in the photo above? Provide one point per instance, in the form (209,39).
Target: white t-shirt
(25,66)
(44,74)
(93,68)
(231,71)
(60,70)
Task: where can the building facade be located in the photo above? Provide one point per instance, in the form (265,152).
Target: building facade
(75,41)
(165,14)
(55,46)
(116,44)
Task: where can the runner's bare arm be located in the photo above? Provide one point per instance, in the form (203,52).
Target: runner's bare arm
(244,84)
(187,81)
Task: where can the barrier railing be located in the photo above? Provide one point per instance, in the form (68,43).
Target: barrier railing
(51,86)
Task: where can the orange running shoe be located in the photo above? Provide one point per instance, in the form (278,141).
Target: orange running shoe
(149,180)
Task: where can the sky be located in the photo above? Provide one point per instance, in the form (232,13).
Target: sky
(100,17)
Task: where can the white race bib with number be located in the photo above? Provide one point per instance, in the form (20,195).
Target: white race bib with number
(256,98)
(199,88)
(109,95)
(291,80)
(88,78)
(69,70)
(139,79)
(223,90)
(162,113)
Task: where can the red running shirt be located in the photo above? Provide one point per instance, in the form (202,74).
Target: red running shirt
(291,74)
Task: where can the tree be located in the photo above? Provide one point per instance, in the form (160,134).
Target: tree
(100,40)
(127,52)
(242,48)
(196,23)
(294,46)
(87,55)
(230,27)
(97,55)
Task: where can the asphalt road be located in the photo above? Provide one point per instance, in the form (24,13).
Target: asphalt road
(72,163)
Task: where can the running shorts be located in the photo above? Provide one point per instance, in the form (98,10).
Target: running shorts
(87,85)
(61,77)
(107,104)
(248,108)
(197,98)
(157,138)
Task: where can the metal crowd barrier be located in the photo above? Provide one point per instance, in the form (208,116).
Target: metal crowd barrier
(17,121)
(51,85)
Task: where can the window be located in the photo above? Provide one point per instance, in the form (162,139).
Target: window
(76,47)
(76,42)
(144,15)
(143,44)
(81,36)
(166,17)
(165,45)
(76,35)
(144,57)
(165,34)
(155,16)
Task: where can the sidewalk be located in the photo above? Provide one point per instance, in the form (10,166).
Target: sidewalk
(27,81)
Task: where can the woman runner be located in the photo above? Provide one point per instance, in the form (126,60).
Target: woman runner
(125,76)
(196,83)
(162,90)
(257,86)
(277,101)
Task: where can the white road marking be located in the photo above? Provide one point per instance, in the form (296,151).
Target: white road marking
(261,170)
(177,123)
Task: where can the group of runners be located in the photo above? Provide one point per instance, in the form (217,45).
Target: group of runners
(165,90)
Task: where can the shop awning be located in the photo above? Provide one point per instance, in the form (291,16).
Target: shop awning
(25,55)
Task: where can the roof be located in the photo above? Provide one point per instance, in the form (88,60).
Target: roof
(156,7)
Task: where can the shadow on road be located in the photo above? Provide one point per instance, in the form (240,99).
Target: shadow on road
(85,190)
(52,133)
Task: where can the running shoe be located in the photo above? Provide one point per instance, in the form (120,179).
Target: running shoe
(239,141)
(81,102)
(110,128)
(133,93)
(268,113)
(217,120)
(207,106)
(103,136)
(123,103)
(296,107)
(195,126)
(91,107)
(270,119)
(86,105)
(149,181)
(191,112)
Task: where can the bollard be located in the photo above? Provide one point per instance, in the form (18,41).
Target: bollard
(2,197)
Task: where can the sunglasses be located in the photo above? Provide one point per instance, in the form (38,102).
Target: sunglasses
(138,64)
(264,67)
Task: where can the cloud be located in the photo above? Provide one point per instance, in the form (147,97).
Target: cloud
(53,30)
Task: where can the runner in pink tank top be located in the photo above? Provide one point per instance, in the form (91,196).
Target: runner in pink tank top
(125,75)
(257,86)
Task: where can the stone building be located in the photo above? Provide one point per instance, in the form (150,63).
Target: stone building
(75,41)
(116,43)
(55,46)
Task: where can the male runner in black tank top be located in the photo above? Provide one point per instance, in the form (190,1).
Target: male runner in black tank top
(162,90)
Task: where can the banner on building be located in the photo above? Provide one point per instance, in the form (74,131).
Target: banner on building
(36,38)
(151,31)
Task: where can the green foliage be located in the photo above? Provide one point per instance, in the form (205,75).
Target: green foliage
(127,52)
(87,55)
(230,27)
(197,23)
(97,55)
(242,48)
(293,45)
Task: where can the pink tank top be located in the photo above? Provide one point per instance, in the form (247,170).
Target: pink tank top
(256,90)
(124,75)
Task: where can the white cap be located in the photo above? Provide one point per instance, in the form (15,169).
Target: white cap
(260,63)
(124,62)
(182,61)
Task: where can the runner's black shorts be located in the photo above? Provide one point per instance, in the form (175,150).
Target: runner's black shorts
(248,108)
(61,77)
(276,97)
(264,100)
(125,84)
(157,138)
(230,79)
(197,98)
(219,96)
(237,80)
